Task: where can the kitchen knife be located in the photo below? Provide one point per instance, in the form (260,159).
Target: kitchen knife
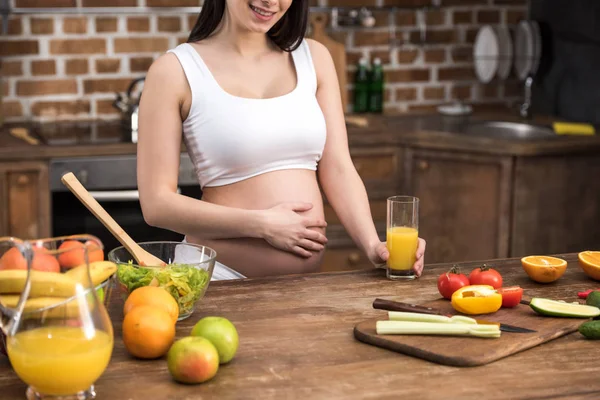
(390,305)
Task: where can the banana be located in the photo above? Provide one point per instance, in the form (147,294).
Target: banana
(34,305)
(43,284)
(99,272)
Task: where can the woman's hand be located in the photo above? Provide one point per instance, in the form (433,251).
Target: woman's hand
(379,254)
(285,229)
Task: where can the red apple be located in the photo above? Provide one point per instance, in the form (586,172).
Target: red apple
(193,359)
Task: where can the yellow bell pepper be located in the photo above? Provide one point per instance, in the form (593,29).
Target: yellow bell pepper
(476,299)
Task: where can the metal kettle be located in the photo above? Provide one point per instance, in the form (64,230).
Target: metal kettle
(128,104)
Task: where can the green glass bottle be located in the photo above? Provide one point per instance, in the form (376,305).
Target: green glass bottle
(376,87)
(361,87)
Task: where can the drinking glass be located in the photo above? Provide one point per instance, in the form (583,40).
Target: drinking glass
(402,236)
(59,337)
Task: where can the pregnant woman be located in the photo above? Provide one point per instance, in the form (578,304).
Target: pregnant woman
(259,110)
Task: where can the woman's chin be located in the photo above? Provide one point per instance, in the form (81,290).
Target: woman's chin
(259,28)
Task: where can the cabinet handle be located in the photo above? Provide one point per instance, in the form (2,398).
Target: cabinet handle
(22,180)
(354,258)
(423,165)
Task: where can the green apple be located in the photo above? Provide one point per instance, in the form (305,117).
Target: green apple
(221,333)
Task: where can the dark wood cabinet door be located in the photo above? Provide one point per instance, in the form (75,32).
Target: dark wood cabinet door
(344,259)
(25,195)
(556,205)
(464,203)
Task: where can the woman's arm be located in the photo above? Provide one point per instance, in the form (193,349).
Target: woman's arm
(165,93)
(340,181)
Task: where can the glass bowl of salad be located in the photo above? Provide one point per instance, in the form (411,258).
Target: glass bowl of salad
(186,275)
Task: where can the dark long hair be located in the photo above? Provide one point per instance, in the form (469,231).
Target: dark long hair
(287,33)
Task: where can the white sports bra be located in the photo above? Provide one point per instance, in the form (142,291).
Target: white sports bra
(232,138)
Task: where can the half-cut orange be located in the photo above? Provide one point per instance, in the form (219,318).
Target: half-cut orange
(544,269)
(589,261)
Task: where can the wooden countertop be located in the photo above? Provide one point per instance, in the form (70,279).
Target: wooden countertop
(435,131)
(432,131)
(296,342)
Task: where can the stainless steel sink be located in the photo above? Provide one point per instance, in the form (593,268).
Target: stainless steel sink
(508,130)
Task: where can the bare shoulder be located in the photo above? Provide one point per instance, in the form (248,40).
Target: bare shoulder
(167,71)
(321,58)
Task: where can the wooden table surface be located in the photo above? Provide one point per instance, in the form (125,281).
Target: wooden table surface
(296,342)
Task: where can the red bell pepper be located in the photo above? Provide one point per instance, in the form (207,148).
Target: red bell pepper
(584,295)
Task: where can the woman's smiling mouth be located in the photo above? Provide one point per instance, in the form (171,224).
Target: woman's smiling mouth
(261,14)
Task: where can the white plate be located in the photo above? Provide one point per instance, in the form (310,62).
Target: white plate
(485,54)
(524,50)
(505,51)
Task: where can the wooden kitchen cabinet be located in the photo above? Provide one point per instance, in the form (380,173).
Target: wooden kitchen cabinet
(464,203)
(556,205)
(378,168)
(24,199)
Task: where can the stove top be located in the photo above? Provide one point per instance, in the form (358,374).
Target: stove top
(82,132)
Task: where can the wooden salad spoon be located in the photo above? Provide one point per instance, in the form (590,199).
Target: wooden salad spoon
(142,257)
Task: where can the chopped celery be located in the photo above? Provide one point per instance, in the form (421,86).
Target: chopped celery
(435,328)
(417,317)
(461,319)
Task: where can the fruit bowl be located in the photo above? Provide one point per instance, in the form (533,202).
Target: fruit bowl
(60,261)
(186,276)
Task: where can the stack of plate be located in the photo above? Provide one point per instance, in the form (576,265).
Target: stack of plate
(528,48)
(494,51)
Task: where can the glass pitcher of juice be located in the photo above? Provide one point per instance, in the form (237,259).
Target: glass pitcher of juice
(58,335)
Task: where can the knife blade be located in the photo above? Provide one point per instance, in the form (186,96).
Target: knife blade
(390,305)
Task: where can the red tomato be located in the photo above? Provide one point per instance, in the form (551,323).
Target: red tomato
(451,281)
(511,296)
(486,276)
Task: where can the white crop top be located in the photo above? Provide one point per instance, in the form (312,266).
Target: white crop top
(232,138)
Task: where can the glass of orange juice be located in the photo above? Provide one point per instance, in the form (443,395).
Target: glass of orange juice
(59,337)
(402,236)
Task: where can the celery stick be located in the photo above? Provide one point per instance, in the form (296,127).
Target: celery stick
(460,319)
(420,328)
(435,328)
(485,328)
(485,332)
(416,317)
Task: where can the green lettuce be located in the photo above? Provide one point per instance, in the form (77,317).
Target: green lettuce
(184,282)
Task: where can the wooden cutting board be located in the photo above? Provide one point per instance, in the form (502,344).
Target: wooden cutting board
(318,23)
(471,351)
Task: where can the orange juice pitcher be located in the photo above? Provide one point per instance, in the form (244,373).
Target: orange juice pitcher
(56,329)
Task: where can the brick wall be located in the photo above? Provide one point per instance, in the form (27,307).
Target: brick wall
(70,66)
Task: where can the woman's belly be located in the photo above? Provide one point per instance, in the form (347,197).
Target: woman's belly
(255,257)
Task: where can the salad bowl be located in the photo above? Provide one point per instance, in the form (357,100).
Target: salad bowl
(185,276)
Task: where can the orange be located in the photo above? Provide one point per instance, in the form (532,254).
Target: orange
(148,332)
(13,259)
(589,261)
(152,296)
(70,256)
(544,269)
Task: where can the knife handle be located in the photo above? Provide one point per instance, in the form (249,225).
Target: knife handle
(390,305)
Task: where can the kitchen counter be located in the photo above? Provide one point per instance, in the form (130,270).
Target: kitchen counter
(296,341)
(433,131)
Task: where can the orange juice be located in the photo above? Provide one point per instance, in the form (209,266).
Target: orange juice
(402,244)
(59,360)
